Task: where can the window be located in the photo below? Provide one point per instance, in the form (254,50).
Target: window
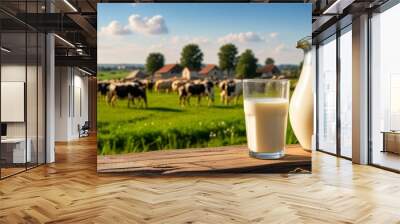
(327,95)
(22,78)
(385,89)
(346,95)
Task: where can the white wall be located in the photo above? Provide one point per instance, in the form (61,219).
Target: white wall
(71,102)
(13,73)
(62,82)
(80,108)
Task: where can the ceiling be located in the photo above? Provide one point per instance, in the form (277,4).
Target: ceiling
(74,22)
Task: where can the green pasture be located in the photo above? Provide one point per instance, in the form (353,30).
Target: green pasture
(115,74)
(166,125)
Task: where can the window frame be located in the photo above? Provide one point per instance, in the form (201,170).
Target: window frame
(339,31)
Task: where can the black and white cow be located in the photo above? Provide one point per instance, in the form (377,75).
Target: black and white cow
(102,87)
(149,84)
(231,90)
(177,83)
(196,89)
(132,90)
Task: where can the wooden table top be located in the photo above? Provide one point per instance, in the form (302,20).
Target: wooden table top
(229,159)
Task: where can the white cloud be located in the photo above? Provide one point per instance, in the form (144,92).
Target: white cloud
(273,34)
(144,25)
(110,51)
(115,28)
(240,37)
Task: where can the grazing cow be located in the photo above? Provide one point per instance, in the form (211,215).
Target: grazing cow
(140,83)
(216,82)
(149,84)
(164,85)
(176,84)
(132,90)
(197,89)
(231,90)
(102,87)
(210,91)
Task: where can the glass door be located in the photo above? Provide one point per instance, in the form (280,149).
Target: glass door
(326,132)
(22,91)
(385,89)
(32,98)
(14,153)
(345,94)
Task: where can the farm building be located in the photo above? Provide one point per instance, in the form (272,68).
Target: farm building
(189,74)
(268,71)
(135,74)
(211,71)
(168,71)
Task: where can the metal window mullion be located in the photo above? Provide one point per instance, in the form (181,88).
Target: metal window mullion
(25,89)
(37,91)
(317,97)
(338,94)
(45,96)
(369,89)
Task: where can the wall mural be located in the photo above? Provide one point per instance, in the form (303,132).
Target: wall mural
(170,87)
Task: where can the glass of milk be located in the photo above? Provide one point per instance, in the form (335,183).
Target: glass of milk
(266,103)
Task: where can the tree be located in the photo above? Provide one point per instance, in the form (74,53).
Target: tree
(227,58)
(269,61)
(191,57)
(154,62)
(247,65)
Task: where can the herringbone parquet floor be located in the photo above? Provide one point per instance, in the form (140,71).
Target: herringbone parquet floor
(70,191)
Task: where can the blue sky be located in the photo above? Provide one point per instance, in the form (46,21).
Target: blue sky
(128,32)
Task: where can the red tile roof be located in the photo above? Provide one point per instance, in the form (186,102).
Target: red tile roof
(268,69)
(166,68)
(205,70)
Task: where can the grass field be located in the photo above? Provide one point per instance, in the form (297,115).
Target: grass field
(166,125)
(115,74)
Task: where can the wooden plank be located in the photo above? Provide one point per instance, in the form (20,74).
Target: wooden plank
(230,159)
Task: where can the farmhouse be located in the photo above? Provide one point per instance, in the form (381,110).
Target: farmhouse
(190,74)
(268,71)
(211,71)
(168,71)
(135,74)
